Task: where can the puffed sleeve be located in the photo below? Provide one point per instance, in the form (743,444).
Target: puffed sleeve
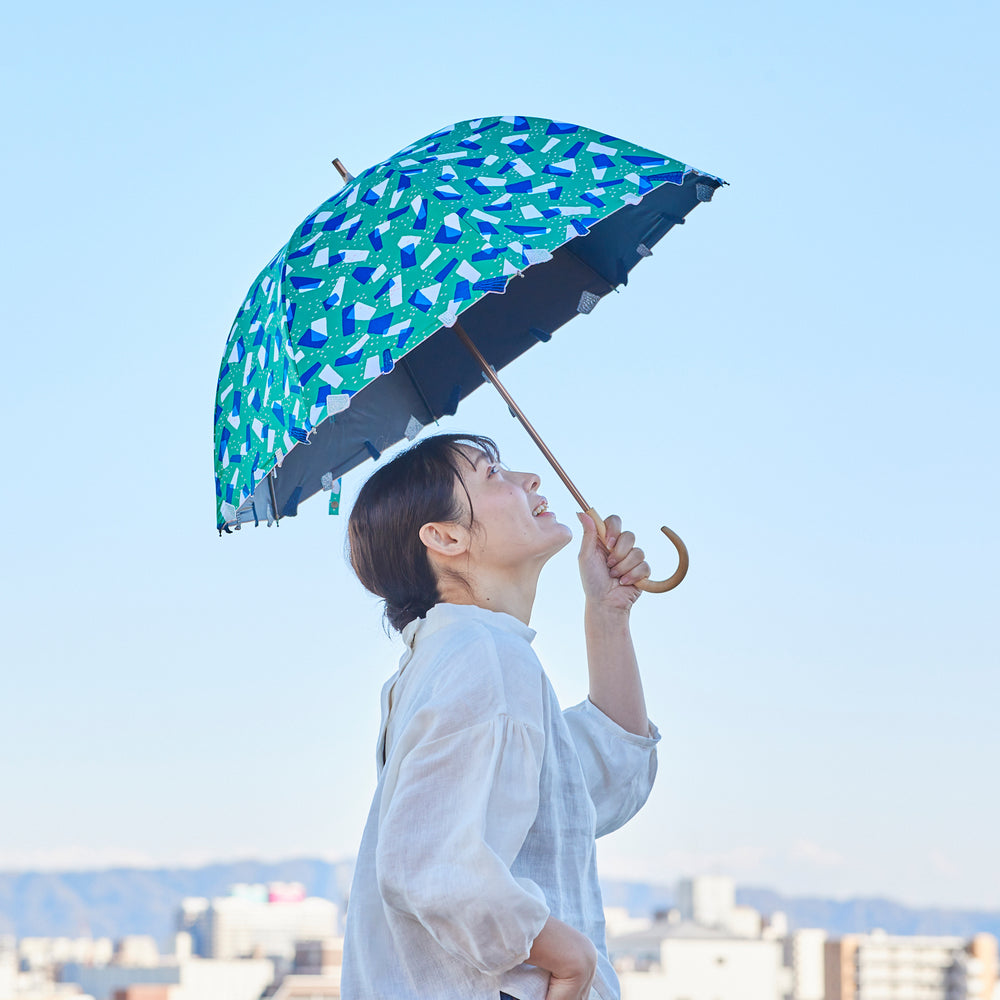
(456,818)
(619,766)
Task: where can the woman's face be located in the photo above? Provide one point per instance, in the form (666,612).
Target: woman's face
(513,525)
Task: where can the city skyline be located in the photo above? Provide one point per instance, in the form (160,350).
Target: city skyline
(125,902)
(275,938)
(801,383)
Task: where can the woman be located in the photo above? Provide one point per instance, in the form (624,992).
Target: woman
(476,876)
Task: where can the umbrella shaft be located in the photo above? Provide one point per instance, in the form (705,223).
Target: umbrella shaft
(516,410)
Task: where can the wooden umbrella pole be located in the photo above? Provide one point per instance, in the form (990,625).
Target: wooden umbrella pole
(652,586)
(519,413)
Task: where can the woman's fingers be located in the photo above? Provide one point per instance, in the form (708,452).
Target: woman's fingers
(624,544)
(641,571)
(613,528)
(631,567)
(625,563)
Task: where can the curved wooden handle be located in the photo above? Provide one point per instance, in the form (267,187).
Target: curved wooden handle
(653,586)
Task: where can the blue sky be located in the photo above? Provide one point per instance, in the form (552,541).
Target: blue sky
(802,382)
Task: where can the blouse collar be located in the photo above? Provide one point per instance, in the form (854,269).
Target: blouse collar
(444,614)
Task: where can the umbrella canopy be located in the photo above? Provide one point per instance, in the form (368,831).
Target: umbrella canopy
(342,346)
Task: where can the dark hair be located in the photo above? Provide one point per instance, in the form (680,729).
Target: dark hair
(416,487)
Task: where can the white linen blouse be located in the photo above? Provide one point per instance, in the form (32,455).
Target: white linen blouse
(484,820)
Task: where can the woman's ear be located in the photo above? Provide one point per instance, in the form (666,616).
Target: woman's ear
(445,539)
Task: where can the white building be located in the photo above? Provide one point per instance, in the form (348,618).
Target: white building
(189,979)
(804,956)
(618,921)
(47,952)
(8,966)
(27,973)
(711,948)
(136,950)
(257,920)
(708,900)
(684,961)
(45,991)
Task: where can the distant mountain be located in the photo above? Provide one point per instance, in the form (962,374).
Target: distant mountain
(123,901)
(856,916)
(836,917)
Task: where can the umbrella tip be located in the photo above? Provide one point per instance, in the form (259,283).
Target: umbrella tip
(342,170)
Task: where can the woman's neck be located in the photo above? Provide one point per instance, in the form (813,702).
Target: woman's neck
(494,593)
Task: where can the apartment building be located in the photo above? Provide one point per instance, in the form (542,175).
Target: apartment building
(880,966)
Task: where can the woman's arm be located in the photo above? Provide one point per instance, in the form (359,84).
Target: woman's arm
(451,824)
(568,956)
(615,685)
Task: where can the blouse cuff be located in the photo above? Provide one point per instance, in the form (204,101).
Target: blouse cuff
(592,712)
(535,916)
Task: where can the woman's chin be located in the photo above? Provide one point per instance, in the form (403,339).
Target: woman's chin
(560,531)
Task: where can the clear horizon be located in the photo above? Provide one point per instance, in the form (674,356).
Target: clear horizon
(134,861)
(651,880)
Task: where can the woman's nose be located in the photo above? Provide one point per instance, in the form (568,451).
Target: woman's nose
(532,481)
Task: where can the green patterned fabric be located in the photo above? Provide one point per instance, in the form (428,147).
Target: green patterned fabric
(398,253)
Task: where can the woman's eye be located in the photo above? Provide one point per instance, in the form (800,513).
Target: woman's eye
(492,471)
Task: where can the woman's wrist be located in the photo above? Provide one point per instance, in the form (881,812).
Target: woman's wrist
(562,950)
(608,615)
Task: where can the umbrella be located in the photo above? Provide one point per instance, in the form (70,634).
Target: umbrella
(349,340)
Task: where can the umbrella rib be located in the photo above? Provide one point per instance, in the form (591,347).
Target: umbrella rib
(274,501)
(420,392)
(590,267)
(516,410)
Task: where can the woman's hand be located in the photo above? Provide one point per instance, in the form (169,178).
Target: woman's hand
(568,956)
(574,987)
(609,574)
